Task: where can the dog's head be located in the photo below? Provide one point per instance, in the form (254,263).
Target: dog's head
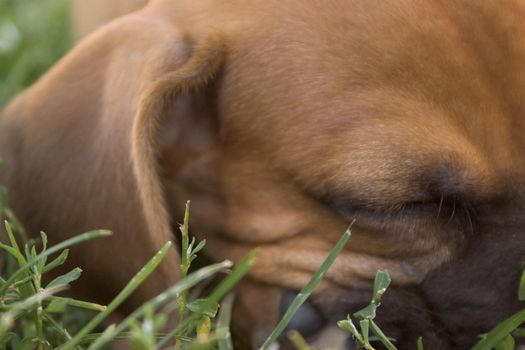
(282,121)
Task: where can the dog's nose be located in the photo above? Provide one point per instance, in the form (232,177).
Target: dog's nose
(307,321)
(314,327)
(350,343)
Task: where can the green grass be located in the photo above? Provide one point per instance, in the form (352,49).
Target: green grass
(33,316)
(33,35)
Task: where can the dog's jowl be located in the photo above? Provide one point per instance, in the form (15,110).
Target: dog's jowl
(282,121)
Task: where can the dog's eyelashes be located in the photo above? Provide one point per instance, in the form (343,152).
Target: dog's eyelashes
(446,209)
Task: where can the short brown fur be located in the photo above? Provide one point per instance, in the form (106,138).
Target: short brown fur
(282,121)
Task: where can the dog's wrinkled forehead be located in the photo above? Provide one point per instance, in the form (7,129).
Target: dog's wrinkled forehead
(388,100)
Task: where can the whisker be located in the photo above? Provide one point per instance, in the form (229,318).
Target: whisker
(403,207)
(440,205)
(467,211)
(473,210)
(453,210)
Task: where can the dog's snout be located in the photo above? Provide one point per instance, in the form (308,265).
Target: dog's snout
(307,321)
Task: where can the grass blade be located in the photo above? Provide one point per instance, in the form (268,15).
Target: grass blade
(56,262)
(135,282)
(306,291)
(184,284)
(365,325)
(382,337)
(67,243)
(223,322)
(7,318)
(73,302)
(196,305)
(298,341)
(420,343)
(66,279)
(222,289)
(498,334)
(508,343)
(521,291)
(348,325)
(381,283)
(14,250)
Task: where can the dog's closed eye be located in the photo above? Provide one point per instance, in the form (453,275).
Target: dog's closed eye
(447,209)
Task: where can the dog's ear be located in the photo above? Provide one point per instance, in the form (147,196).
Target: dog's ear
(83,145)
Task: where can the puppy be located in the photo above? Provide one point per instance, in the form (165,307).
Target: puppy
(282,121)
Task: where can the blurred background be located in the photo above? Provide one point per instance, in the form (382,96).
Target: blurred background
(33,35)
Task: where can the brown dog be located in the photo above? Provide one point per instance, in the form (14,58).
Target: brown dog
(282,121)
